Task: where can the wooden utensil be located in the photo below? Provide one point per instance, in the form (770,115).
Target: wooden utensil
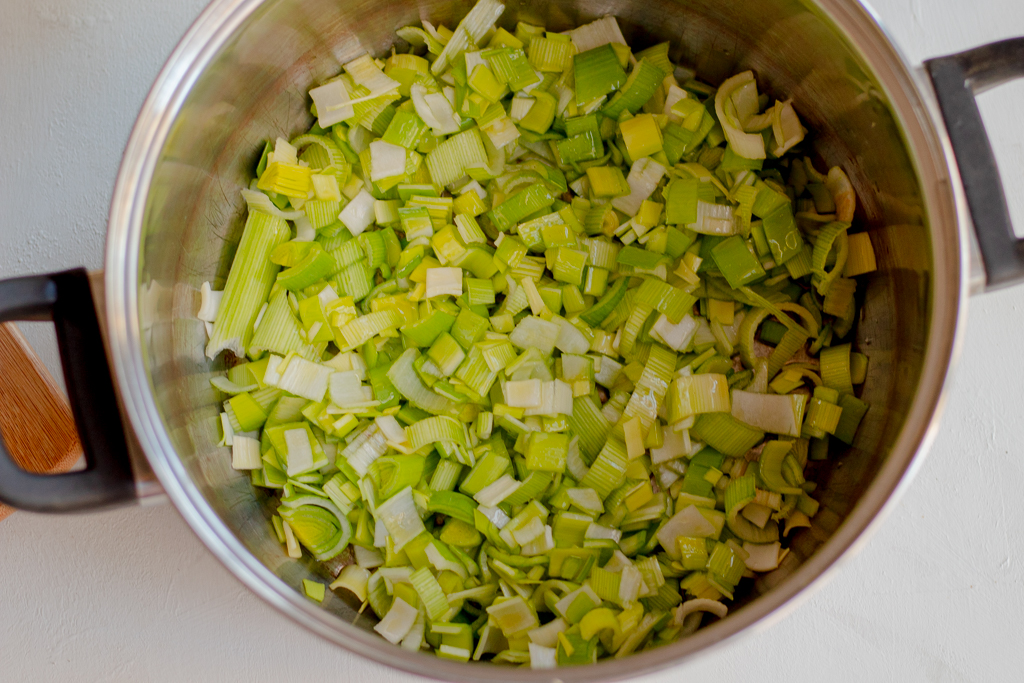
(35,418)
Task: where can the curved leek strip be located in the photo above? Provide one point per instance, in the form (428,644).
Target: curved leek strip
(739,493)
(763,557)
(408,384)
(354,579)
(810,323)
(318,524)
(797,520)
(787,130)
(792,341)
(772,457)
(746,145)
(833,234)
(433,429)
(453,504)
(699,605)
(419,37)
(843,196)
(335,158)
(259,201)
(606,304)
(746,530)
(229,387)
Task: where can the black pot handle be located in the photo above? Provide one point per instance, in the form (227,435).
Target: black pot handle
(65,298)
(957,80)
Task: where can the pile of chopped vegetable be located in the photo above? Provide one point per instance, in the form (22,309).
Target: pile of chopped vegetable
(535,336)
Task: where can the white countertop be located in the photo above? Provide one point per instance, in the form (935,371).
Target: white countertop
(132,595)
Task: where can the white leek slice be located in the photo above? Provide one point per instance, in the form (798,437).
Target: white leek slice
(786,128)
(300,452)
(547,635)
(677,336)
(418,95)
(258,201)
(535,333)
(442,563)
(271,376)
(496,516)
(283,152)
(631,585)
(228,433)
(304,230)
(291,543)
(367,558)
(397,623)
(333,103)
(714,219)
(674,94)
(502,131)
(305,379)
(542,657)
(521,106)
(523,394)
(700,605)
(210,303)
(354,579)
(597,33)
(570,339)
(644,176)
(687,522)
(746,145)
(599,531)
(513,616)
(401,518)
(380,534)
(364,449)
(358,213)
(386,160)
(359,138)
(762,557)
(444,281)
(444,112)
(493,494)
(674,445)
(229,387)
(391,429)
(413,640)
(245,453)
(529,532)
(365,72)
(770,412)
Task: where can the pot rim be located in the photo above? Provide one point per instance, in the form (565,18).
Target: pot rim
(929,151)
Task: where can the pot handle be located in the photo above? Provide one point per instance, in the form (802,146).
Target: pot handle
(957,80)
(107,480)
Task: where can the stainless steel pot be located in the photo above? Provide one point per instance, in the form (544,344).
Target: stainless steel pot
(912,143)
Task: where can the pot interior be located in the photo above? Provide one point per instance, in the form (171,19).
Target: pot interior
(241,78)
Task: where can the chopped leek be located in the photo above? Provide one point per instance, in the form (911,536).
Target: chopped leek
(514,319)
